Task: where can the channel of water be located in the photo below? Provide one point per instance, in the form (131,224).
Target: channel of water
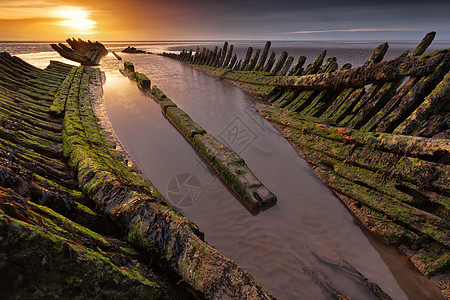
(289,247)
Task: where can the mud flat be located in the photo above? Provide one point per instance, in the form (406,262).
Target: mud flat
(377,135)
(75,219)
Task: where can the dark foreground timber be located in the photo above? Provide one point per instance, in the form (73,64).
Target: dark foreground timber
(75,220)
(86,53)
(377,135)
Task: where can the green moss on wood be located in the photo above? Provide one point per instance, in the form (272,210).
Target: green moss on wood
(184,122)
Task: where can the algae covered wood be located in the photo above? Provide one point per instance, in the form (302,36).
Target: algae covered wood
(270,62)
(45,218)
(228,164)
(286,66)
(298,67)
(86,53)
(253,61)
(233,170)
(433,104)
(153,231)
(350,162)
(184,122)
(141,79)
(247,58)
(264,55)
(227,60)
(358,77)
(414,97)
(280,63)
(138,208)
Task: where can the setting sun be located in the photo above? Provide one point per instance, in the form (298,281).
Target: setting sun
(76,18)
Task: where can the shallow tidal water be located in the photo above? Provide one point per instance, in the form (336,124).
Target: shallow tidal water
(294,248)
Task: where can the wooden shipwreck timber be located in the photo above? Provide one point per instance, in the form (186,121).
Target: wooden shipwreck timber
(75,220)
(86,53)
(377,135)
(230,167)
(133,50)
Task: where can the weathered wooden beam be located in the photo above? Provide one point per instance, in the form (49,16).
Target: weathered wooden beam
(226,63)
(247,58)
(270,62)
(315,67)
(348,99)
(287,64)
(233,62)
(228,164)
(199,57)
(217,59)
(359,77)
(285,98)
(355,106)
(426,41)
(253,61)
(223,56)
(190,56)
(302,100)
(212,56)
(339,99)
(305,97)
(435,102)
(280,63)
(377,54)
(264,55)
(317,104)
(203,56)
(436,128)
(373,102)
(237,67)
(196,56)
(393,102)
(329,67)
(298,67)
(86,53)
(360,98)
(415,97)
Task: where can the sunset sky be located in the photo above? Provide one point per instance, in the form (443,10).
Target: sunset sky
(124,20)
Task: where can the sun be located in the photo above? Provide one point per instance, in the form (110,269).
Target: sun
(76,18)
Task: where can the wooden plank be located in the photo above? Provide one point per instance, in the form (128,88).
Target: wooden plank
(384,71)
(433,104)
(263,58)
(280,62)
(247,58)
